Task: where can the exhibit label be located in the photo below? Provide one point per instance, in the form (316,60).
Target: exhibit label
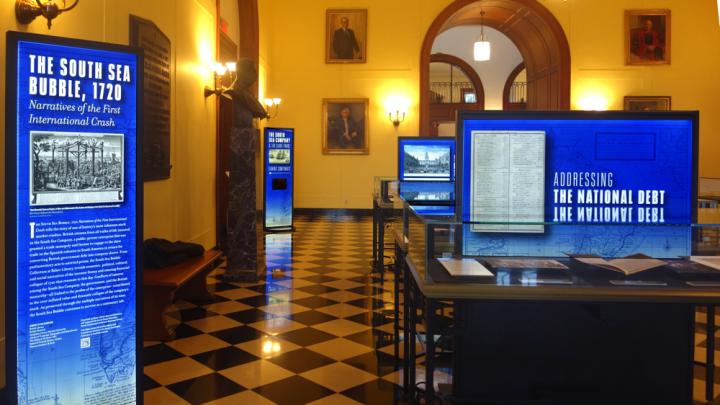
(278,178)
(76,230)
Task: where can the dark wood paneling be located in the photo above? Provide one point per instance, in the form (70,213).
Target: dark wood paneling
(227,51)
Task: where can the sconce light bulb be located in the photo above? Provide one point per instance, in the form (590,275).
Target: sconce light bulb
(269,102)
(231,66)
(276,100)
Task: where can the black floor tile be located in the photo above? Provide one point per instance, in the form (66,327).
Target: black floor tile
(224,358)
(375,392)
(148,383)
(368,303)
(321,270)
(370,318)
(250,316)
(376,362)
(183,330)
(367,290)
(320,279)
(206,388)
(159,353)
(317,289)
(301,360)
(293,391)
(239,334)
(191,314)
(314,302)
(307,336)
(217,299)
(310,318)
(257,301)
(372,338)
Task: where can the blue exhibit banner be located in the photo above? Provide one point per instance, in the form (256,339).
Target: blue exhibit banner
(278,190)
(74,220)
(548,183)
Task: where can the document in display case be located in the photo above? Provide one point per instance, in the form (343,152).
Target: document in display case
(506,180)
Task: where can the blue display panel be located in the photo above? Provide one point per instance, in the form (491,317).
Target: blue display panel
(426,159)
(611,183)
(279,163)
(426,169)
(73,220)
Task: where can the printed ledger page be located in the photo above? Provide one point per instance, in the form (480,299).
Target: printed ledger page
(508,181)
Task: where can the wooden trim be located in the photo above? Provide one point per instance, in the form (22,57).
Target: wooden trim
(249,41)
(469,72)
(540,18)
(508,84)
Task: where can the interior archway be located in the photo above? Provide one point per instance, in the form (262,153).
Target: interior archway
(445,110)
(534,30)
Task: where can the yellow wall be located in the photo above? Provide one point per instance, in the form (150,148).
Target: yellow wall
(293,35)
(182,207)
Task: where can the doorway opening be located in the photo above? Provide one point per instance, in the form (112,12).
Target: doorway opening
(535,32)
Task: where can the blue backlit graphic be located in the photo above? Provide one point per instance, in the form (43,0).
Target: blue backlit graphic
(615,184)
(279,178)
(76,195)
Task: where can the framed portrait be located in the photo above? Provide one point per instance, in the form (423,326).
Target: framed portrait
(644,103)
(345,126)
(346,36)
(647,37)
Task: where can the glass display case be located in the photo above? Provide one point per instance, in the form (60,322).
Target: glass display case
(588,297)
(567,254)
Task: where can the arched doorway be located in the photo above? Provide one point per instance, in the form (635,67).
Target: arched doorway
(450,93)
(534,30)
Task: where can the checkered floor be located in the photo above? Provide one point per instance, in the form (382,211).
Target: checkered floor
(317,331)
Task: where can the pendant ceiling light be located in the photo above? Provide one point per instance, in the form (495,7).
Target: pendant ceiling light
(481,49)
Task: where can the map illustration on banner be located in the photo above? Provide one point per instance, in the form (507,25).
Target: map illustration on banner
(74,236)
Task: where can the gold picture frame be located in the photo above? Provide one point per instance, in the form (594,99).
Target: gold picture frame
(345,126)
(647,37)
(346,36)
(647,103)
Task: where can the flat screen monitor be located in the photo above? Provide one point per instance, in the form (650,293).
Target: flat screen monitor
(430,159)
(618,179)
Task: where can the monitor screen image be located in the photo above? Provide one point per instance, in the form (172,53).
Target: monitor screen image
(426,159)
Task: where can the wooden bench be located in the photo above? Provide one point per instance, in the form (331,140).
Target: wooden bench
(187,280)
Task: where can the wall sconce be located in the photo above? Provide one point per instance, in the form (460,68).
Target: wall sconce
(269,104)
(396,117)
(396,107)
(221,71)
(28,10)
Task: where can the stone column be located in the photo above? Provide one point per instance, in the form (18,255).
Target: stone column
(242,258)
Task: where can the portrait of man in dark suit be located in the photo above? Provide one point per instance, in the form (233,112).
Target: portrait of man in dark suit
(344,43)
(346,36)
(345,126)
